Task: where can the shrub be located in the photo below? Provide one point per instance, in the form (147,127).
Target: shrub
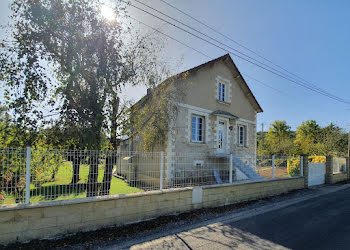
(293,166)
(44,163)
(317,159)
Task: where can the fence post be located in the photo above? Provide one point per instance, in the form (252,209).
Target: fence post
(28,156)
(305,163)
(161,170)
(231,162)
(329,169)
(273,167)
(301,166)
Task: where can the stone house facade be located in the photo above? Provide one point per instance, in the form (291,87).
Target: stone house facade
(216,117)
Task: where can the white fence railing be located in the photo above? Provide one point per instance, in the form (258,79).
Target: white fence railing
(35,175)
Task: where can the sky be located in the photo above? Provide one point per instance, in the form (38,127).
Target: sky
(309,38)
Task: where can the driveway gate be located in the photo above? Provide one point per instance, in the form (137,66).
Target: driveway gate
(317,174)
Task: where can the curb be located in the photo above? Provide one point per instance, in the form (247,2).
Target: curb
(234,216)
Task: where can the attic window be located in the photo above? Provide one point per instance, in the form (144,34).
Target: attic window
(221,92)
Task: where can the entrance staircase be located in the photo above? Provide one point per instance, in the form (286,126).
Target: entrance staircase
(246,169)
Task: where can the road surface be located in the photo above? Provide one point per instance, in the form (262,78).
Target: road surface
(322,222)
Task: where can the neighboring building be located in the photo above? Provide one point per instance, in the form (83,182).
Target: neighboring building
(215,117)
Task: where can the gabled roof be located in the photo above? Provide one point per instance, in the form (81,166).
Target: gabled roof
(249,94)
(227,59)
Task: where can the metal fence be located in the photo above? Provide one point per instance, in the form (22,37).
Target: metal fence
(197,169)
(35,175)
(271,167)
(12,175)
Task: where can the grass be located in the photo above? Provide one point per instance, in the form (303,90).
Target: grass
(61,189)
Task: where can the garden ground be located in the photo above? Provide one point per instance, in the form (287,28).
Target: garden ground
(280,172)
(61,188)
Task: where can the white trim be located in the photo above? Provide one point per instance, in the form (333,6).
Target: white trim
(197,117)
(228,88)
(195,108)
(189,126)
(207,111)
(222,89)
(246,121)
(241,141)
(246,139)
(226,120)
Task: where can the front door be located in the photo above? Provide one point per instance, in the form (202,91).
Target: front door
(222,137)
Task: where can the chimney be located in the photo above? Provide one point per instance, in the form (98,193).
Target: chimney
(149,91)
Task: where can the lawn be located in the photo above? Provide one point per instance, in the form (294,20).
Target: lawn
(61,189)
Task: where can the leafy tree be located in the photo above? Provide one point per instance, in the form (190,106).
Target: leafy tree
(279,138)
(307,139)
(153,117)
(65,55)
(335,140)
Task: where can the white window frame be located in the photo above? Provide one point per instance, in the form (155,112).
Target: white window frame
(243,127)
(222,91)
(196,130)
(228,89)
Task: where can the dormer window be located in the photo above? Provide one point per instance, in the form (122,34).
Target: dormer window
(221,92)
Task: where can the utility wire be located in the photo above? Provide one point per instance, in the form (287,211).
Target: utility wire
(263,83)
(190,47)
(201,33)
(241,45)
(237,51)
(247,60)
(164,34)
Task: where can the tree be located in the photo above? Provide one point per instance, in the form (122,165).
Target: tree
(152,119)
(307,139)
(335,140)
(66,54)
(279,138)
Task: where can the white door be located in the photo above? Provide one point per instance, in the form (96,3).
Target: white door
(317,172)
(222,137)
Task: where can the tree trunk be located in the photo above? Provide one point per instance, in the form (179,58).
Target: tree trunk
(92,184)
(107,178)
(111,159)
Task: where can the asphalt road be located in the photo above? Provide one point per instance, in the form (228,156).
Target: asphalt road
(318,223)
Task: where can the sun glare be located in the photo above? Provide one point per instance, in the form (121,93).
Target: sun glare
(107,12)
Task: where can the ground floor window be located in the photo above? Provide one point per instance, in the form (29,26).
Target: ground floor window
(197,128)
(242,135)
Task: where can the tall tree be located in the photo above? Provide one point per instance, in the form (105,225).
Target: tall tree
(308,138)
(335,140)
(67,54)
(279,138)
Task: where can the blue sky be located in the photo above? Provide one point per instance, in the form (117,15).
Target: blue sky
(310,38)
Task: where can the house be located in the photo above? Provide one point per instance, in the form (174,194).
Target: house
(216,117)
